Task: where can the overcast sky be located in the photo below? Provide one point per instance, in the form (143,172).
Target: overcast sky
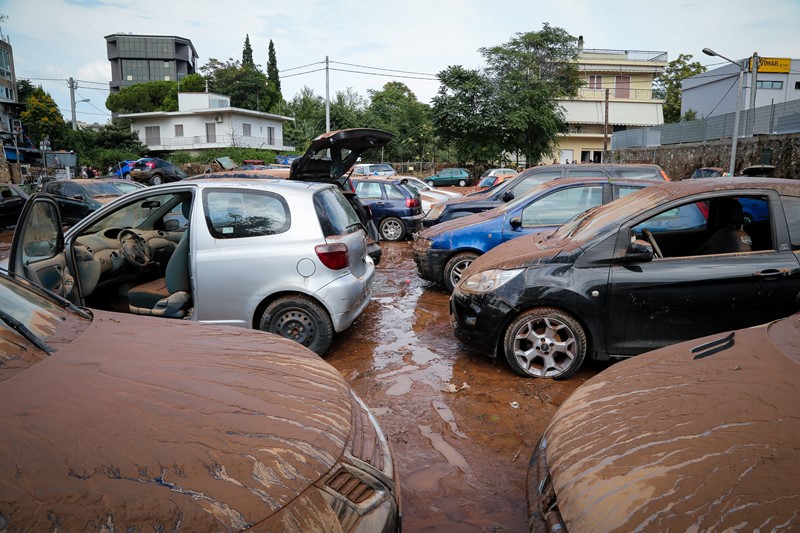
(55,39)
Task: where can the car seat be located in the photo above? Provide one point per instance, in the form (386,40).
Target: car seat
(728,236)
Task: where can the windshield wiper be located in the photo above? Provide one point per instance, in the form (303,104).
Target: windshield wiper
(23,330)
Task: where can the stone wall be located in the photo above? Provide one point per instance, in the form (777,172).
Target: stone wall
(680,160)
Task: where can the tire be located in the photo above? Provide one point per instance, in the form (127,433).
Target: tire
(392,229)
(545,343)
(454,267)
(126,176)
(430,183)
(156,179)
(300,319)
(462,183)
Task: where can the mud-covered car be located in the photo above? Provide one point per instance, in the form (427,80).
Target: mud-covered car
(78,197)
(442,252)
(116,422)
(12,198)
(276,255)
(155,171)
(395,206)
(671,262)
(481,201)
(698,436)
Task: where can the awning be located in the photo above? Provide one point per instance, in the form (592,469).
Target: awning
(619,113)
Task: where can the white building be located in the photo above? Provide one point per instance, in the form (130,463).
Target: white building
(207,120)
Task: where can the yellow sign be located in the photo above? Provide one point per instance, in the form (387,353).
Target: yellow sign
(773,64)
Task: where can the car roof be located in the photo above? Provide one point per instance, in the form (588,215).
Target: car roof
(265,183)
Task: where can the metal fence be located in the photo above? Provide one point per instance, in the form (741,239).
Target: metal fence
(779,118)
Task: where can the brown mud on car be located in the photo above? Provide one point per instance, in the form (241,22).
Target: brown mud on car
(699,436)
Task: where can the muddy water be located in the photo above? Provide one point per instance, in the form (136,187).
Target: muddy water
(462,426)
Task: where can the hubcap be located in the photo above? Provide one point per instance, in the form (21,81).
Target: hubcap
(545,347)
(458,269)
(391,230)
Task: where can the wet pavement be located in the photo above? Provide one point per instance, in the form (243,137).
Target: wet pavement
(462,426)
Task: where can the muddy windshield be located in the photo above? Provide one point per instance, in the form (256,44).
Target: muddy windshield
(600,219)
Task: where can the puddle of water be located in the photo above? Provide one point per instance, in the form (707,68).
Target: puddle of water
(447,415)
(381,411)
(427,478)
(447,451)
(401,386)
(391,373)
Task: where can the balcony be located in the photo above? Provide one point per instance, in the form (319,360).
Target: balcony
(622,55)
(201,142)
(586,93)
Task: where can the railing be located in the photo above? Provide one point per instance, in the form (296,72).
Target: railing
(586,93)
(624,55)
(779,118)
(216,141)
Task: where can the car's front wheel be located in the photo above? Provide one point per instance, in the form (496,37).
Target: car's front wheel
(455,267)
(545,343)
(430,183)
(300,319)
(462,183)
(156,179)
(392,229)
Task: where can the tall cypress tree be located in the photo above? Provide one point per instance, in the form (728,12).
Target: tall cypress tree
(247,53)
(272,68)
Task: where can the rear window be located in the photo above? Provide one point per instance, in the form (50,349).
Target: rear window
(639,174)
(393,192)
(336,215)
(235,214)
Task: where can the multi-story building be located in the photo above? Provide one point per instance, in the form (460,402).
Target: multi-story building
(207,120)
(140,58)
(9,104)
(618,95)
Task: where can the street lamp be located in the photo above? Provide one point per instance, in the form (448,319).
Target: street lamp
(74,121)
(710,52)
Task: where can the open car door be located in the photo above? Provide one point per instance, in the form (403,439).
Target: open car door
(37,249)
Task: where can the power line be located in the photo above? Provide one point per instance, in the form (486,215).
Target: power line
(384,75)
(301,73)
(297,68)
(385,69)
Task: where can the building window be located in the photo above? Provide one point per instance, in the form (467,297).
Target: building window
(152,135)
(622,87)
(270,135)
(246,130)
(178,130)
(769,84)
(595,81)
(797,86)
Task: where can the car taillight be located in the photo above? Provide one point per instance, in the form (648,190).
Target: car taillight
(150,164)
(333,256)
(412,202)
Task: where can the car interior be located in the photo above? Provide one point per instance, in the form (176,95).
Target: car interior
(721,225)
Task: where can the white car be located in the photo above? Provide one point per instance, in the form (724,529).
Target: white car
(373,169)
(281,256)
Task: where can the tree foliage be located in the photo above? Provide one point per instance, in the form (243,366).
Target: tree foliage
(247,87)
(145,97)
(511,105)
(193,83)
(308,110)
(668,85)
(273,81)
(395,108)
(42,118)
(247,54)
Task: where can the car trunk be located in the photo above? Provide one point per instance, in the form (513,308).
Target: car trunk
(356,243)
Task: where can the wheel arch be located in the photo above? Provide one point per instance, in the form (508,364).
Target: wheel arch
(255,319)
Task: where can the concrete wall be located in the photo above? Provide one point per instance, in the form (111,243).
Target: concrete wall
(680,160)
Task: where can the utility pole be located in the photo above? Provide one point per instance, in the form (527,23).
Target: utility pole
(72,87)
(327,97)
(605,129)
(753,81)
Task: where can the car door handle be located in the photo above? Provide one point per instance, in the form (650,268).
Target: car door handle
(380,204)
(772,273)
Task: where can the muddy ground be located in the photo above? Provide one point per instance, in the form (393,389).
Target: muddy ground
(462,426)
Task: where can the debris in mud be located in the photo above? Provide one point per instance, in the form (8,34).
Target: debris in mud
(514,405)
(452,388)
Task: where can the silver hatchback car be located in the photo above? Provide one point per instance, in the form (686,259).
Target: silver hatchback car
(281,256)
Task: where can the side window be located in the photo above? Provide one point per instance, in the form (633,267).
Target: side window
(447,173)
(369,189)
(642,174)
(40,237)
(791,207)
(560,206)
(238,214)
(621,191)
(336,215)
(585,173)
(393,193)
(71,190)
(7,193)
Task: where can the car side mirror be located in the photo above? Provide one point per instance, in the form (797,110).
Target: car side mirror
(172,225)
(639,251)
(508,196)
(515,222)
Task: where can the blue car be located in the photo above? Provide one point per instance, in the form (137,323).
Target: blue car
(395,207)
(443,251)
(122,169)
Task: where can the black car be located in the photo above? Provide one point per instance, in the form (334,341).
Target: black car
(672,262)
(78,197)
(12,198)
(155,171)
(525,181)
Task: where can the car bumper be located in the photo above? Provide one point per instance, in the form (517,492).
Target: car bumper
(347,297)
(413,223)
(430,222)
(430,263)
(478,320)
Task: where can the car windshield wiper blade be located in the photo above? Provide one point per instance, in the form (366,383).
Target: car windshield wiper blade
(23,330)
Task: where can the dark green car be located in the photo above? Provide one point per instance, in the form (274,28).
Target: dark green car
(450,176)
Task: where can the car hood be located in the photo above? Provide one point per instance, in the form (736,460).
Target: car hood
(457,224)
(345,147)
(214,432)
(703,435)
(523,252)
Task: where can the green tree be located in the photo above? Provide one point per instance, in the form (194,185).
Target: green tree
(145,97)
(395,108)
(308,110)
(667,86)
(24,90)
(193,83)
(42,118)
(247,54)
(272,68)
(247,87)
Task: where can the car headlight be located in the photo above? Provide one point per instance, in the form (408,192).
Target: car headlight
(435,212)
(422,244)
(489,280)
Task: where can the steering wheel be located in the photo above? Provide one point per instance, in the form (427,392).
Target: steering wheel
(652,240)
(134,248)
